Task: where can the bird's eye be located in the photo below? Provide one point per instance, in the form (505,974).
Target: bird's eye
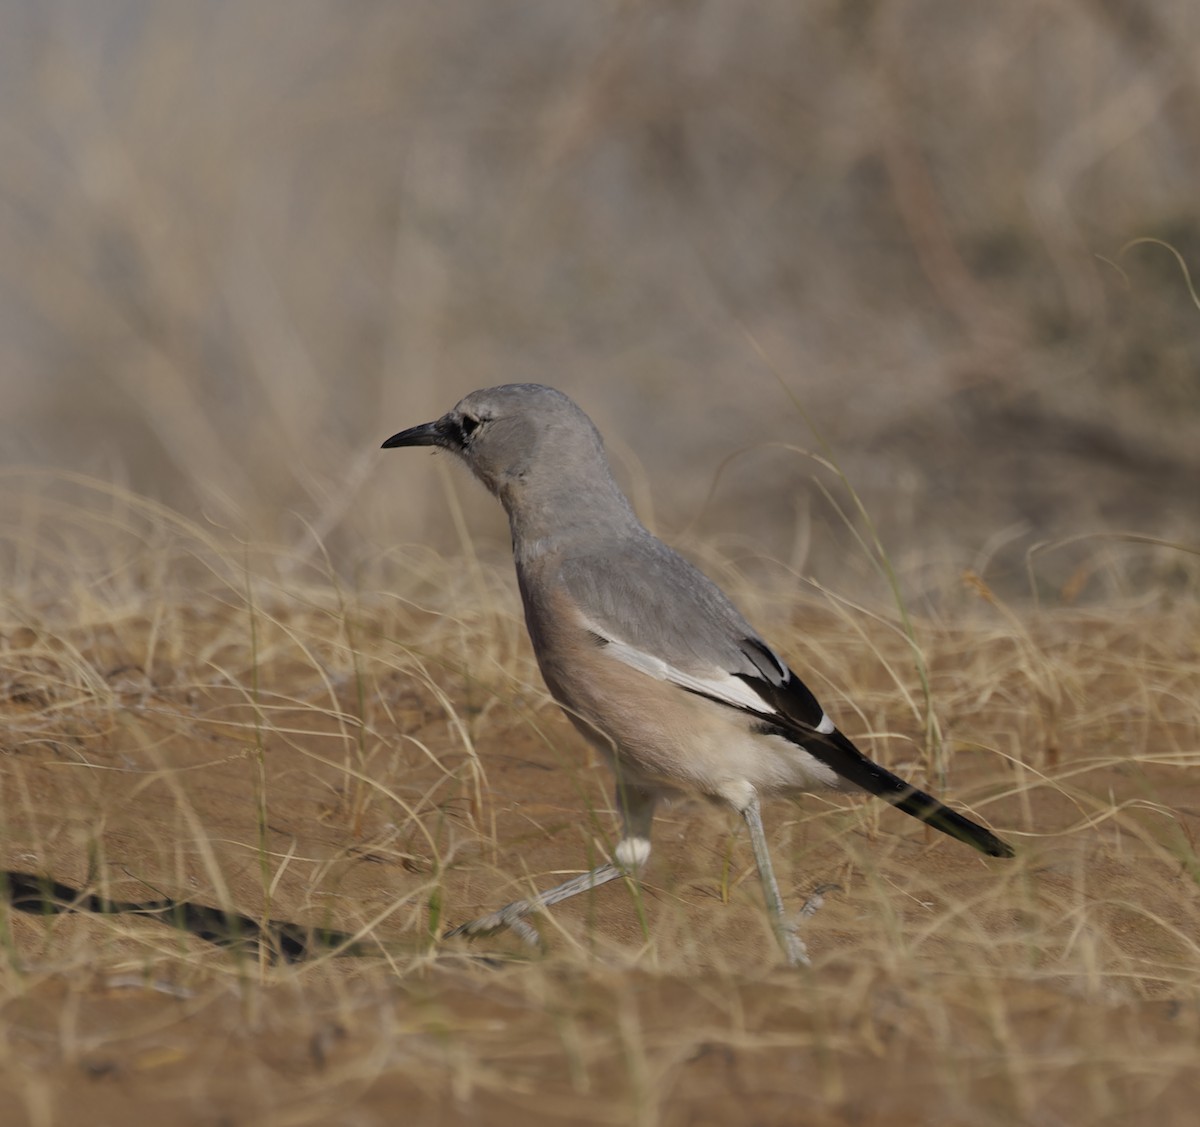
(469,426)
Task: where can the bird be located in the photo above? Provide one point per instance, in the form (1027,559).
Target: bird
(649,659)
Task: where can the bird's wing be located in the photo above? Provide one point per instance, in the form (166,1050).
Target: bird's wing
(652,610)
(656,612)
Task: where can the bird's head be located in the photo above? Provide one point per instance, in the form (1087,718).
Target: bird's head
(515,436)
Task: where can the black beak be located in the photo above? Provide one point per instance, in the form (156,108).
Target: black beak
(427,434)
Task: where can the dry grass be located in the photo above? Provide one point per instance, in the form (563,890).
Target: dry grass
(190,725)
(246,786)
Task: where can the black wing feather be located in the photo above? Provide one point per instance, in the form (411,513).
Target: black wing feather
(796,714)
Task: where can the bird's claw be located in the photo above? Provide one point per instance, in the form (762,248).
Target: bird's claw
(512,916)
(797,952)
(815,900)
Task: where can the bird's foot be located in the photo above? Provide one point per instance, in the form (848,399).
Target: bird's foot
(793,945)
(511,916)
(815,900)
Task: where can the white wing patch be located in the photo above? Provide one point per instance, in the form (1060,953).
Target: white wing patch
(720,685)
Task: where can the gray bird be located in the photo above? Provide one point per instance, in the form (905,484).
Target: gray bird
(646,655)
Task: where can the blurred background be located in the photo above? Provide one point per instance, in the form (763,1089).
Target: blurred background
(241,243)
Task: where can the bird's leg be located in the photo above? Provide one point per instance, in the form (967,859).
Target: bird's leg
(637,812)
(792,944)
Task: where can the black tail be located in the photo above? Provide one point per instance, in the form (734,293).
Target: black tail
(842,756)
(941,817)
(796,716)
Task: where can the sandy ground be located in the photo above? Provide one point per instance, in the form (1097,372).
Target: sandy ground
(268,719)
(180,821)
